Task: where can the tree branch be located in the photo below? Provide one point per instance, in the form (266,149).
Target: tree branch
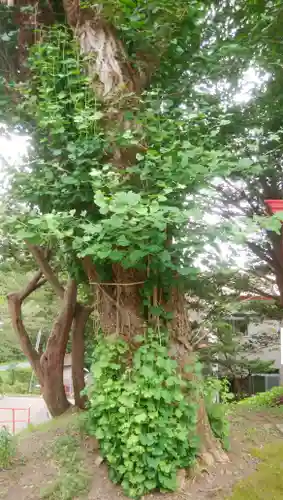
(15,308)
(260,253)
(15,300)
(46,270)
(33,285)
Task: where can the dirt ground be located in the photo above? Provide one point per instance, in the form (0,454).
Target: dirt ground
(34,469)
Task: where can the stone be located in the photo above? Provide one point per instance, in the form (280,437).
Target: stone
(98,461)
(181,479)
(280,427)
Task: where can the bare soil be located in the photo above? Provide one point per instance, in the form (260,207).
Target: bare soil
(34,470)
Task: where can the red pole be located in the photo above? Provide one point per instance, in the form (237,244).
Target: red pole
(14,422)
(29,415)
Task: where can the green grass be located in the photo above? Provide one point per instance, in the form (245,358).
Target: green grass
(262,399)
(13,362)
(7,449)
(267,482)
(72,480)
(69,422)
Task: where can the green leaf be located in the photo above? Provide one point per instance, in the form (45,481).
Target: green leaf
(150,484)
(168,482)
(57,152)
(104,253)
(123,241)
(245,163)
(25,234)
(186,271)
(116,255)
(147,371)
(142,417)
(136,255)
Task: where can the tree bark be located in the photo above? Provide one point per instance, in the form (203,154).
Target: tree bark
(52,360)
(81,316)
(49,366)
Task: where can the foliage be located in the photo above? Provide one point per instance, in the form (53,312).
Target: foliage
(7,448)
(72,478)
(143,414)
(17,389)
(217,398)
(88,207)
(252,130)
(263,399)
(15,374)
(17,381)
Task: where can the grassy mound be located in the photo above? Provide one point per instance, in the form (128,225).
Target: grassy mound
(267,481)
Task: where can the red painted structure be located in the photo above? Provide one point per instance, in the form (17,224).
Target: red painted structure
(14,421)
(243,298)
(274,205)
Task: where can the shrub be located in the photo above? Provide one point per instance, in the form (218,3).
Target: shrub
(17,376)
(16,388)
(263,399)
(7,448)
(143,414)
(23,375)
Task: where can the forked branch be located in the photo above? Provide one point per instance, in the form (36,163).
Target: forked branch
(15,300)
(46,269)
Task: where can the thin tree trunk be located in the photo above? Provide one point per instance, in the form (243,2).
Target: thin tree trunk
(81,316)
(52,387)
(52,360)
(49,366)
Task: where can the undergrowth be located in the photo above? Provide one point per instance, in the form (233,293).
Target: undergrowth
(7,448)
(72,480)
(264,399)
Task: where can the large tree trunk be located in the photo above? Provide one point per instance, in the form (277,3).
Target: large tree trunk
(119,302)
(121,313)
